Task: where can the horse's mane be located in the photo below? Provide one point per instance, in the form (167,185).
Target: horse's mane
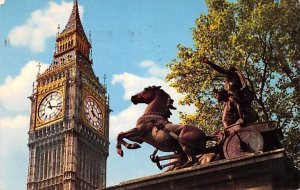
(170,101)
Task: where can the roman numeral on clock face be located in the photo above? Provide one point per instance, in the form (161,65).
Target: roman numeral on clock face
(50,106)
(93,112)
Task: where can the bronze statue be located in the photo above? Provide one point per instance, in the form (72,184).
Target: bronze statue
(236,95)
(154,128)
(234,112)
(187,142)
(233,83)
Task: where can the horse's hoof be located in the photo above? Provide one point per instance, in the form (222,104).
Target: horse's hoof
(176,168)
(133,146)
(187,164)
(120,152)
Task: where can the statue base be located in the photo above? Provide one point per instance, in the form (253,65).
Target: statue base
(268,170)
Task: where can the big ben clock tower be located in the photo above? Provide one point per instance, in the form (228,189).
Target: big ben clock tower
(68,135)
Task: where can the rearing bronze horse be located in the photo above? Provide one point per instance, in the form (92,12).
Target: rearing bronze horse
(186,141)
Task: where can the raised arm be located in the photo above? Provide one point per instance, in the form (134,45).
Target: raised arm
(216,67)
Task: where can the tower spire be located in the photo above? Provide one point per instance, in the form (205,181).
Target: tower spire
(73,36)
(74,21)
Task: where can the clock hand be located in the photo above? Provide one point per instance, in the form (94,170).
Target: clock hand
(96,113)
(57,106)
(93,112)
(49,105)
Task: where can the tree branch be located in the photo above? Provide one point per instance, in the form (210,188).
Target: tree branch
(286,119)
(258,100)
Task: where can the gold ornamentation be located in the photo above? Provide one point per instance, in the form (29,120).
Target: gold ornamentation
(93,113)
(55,70)
(50,106)
(42,102)
(89,96)
(94,87)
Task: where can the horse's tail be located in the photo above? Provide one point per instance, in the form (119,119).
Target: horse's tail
(217,136)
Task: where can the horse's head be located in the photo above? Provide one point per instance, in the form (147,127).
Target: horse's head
(163,104)
(146,96)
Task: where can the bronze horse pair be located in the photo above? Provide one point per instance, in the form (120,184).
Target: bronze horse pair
(154,128)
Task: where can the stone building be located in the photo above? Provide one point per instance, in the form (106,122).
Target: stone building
(68,133)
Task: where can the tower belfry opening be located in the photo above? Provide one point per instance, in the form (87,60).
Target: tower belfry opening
(68,133)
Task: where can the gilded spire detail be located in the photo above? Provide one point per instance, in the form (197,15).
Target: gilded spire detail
(74,22)
(73,36)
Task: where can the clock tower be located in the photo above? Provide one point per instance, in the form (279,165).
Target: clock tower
(68,134)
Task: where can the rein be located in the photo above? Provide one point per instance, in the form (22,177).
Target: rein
(162,125)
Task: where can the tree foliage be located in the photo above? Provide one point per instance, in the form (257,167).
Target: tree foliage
(259,37)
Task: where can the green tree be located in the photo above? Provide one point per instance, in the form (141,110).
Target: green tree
(259,37)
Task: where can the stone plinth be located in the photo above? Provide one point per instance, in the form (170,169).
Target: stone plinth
(269,170)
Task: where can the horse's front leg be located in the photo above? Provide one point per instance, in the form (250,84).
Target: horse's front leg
(135,139)
(131,135)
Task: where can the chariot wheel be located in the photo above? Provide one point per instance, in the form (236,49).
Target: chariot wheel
(242,142)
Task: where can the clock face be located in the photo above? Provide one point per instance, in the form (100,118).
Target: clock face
(50,106)
(93,113)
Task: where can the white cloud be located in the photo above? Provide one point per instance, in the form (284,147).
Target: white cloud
(125,120)
(153,69)
(13,151)
(16,122)
(13,132)
(14,91)
(133,84)
(14,126)
(41,25)
(2,2)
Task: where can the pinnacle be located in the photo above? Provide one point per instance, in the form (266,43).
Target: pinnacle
(74,22)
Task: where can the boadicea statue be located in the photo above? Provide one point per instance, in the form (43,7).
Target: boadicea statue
(236,95)
(240,136)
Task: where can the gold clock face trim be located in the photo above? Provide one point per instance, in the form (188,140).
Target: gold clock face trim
(93,113)
(50,106)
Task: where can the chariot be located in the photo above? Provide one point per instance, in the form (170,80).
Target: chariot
(234,141)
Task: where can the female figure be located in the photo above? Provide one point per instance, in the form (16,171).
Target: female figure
(233,83)
(234,112)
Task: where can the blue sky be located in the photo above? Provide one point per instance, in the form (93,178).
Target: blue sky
(132,42)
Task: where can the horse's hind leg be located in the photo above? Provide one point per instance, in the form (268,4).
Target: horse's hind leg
(192,141)
(135,139)
(182,159)
(191,157)
(185,138)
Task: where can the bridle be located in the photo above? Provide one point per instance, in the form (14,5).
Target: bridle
(156,113)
